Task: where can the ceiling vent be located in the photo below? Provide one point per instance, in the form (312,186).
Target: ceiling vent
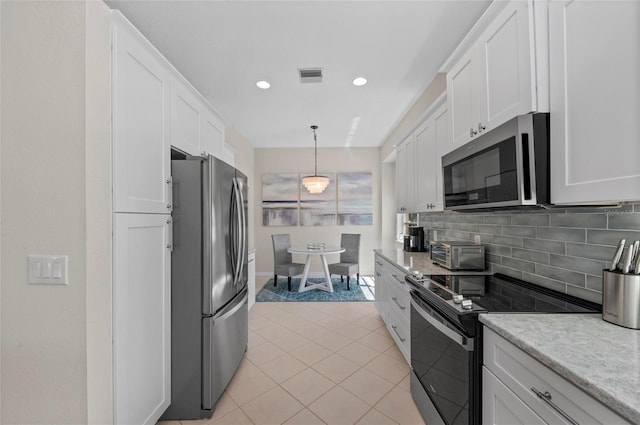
(310,75)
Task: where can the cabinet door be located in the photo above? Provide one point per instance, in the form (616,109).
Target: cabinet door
(443,138)
(426,159)
(405,176)
(186,117)
(462,98)
(500,406)
(595,101)
(212,134)
(379,287)
(141,153)
(505,71)
(141,317)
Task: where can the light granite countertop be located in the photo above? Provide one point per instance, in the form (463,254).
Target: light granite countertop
(420,261)
(601,358)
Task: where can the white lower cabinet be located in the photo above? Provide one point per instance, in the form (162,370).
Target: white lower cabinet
(393,303)
(517,389)
(141,317)
(251,282)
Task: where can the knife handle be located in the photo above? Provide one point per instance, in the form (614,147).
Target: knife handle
(627,260)
(618,255)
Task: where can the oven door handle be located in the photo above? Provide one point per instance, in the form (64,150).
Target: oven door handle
(461,340)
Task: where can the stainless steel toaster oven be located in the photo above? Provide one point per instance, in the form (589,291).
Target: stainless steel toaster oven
(455,255)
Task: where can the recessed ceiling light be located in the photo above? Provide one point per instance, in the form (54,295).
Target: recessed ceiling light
(360,81)
(263,84)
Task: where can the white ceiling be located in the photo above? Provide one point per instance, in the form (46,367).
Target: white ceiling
(224,47)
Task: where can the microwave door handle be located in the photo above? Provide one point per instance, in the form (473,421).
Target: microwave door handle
(462,341)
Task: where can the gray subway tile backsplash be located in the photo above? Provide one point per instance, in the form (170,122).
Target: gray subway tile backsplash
(562,249)
(593,221)
(562,234)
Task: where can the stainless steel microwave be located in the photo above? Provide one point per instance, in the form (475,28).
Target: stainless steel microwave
(505,167)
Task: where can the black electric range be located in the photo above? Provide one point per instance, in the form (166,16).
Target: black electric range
(446,336)
(462,297)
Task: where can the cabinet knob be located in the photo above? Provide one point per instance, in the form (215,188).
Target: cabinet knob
(481,127)
(169,206)
(472,132)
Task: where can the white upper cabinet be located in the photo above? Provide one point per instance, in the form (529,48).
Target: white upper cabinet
(186,118)
(141,96)
(426,153)
(195,128)
(443,138)
(405,176)
(419,165)
(503,74)
(212,134)
(595,101)
(462,95)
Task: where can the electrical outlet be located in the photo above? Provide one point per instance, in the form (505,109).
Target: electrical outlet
(477,239)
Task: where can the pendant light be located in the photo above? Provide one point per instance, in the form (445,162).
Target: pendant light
(315,184)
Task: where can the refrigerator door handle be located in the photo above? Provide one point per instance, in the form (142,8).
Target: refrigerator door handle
(243,231)
(237,231)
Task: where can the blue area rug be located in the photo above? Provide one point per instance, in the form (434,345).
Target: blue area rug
(364,291)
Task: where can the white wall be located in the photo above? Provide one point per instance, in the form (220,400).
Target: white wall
(244,161)
(98,214)
(42,175)
(329,161)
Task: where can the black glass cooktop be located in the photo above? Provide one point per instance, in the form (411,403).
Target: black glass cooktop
(499,294)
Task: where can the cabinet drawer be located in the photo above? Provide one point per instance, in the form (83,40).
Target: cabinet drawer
(501,406)
(399,300)
(525,376)
(399,330)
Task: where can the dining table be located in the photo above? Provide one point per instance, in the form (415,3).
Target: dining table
(312,250)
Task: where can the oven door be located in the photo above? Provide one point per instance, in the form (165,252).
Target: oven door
(443,360)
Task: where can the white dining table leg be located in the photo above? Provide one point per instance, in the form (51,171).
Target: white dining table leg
(305,274)
(323,286)
(327,275)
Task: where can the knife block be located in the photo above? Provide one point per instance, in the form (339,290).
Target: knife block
(621,298)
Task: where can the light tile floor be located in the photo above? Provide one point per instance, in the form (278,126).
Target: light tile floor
(317,363)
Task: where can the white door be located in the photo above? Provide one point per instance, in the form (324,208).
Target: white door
(141,317)
(462,98)
(186,117)
(141,154)
(425,175)
(405,176)
(505,71)
(595,101)
(443,138)
(212,133)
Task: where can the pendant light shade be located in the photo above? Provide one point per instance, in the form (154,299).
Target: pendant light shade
(315,184)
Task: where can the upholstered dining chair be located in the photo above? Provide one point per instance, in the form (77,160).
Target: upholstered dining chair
(282,261)
(349,259)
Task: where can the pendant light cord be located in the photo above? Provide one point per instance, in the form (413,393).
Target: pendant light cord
(315,152)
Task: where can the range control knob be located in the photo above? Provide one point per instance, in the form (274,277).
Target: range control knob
(467,304)
(457,299)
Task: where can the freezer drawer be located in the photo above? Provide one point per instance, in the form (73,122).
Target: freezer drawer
(224,341)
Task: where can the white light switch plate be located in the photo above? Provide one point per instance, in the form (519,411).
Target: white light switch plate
(48,269)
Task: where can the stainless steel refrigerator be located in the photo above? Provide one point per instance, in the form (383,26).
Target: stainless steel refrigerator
(209,303)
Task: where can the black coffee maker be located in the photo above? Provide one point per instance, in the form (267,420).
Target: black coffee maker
(415,241)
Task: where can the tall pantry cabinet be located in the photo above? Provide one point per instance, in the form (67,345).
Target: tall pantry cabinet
(154,109)
(141,226)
